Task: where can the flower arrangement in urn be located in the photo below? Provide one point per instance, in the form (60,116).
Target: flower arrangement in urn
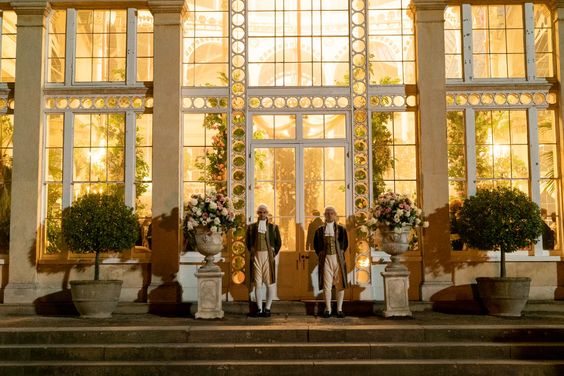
(214,211)
(207,218)
(395,211)
(395,215)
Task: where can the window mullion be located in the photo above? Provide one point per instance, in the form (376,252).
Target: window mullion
(470,129)
(530,41)
(130,164)
(130,63)
(68,151)
(534,167)
(70,50)
(467,41)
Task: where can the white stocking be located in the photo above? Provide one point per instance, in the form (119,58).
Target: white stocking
(327,292)
(270,291)
(340,298)
(258,295)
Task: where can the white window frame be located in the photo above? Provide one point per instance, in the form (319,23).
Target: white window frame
(70,55)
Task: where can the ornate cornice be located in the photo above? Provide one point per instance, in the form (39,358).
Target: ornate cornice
(428,5)
(167,6)
(31,7)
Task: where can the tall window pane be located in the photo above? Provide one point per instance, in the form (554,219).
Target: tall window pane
(100,45)
(502,149)
(53,182)
(56,47)
(543,41)
(8,53)
(206,43)
(498,41)
(298,43)
(144,45)
(205,153)
(144,176)
(394,155)
(453,42)
(549,177)
(98,154)
(391,42)
(6,152)
(456,154)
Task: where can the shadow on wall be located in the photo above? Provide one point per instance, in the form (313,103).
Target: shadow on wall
(559,292)
(456,299)
(165,297)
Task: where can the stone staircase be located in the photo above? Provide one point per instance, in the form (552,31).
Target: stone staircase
(332,347)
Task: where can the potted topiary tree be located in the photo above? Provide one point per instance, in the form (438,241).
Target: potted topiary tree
(501,219)
(97,223)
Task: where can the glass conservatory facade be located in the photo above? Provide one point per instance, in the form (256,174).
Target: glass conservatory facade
(297,104)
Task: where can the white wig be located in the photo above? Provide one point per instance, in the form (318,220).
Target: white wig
(262,206)
(330,208)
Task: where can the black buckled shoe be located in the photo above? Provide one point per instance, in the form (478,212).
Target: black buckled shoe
(340,315)
(266,313)
(256,314)
(326,314)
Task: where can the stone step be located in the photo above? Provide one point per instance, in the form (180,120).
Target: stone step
(402,367)
(282,351)
(281,333)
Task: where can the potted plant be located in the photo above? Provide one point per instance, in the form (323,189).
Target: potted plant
(505,220)
(395,216)
(97,223)
(207,219)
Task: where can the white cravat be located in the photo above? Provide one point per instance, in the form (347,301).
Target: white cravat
(330,229)
(262,226)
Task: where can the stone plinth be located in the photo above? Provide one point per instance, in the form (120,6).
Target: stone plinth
(209,294)
(396,284)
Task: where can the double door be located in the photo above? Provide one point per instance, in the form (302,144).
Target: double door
(297,181)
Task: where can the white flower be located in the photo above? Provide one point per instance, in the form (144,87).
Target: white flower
(418,211)
(364,229)
(224,211)
(213,229)
(213,205)
(426,224)
(189,225)
(217,221)
(194,202)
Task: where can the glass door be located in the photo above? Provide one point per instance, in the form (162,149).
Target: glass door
(297,181)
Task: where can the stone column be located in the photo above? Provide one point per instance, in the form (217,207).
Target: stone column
(433,158)
(558,25)
(28,145)
(164,290)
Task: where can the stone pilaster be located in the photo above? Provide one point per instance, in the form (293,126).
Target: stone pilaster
(433,157)
(28,130)
(167,151)
(558,26)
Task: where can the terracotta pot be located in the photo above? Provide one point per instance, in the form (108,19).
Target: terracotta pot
(504,296)
(95,299)
(208,244)
(395,243)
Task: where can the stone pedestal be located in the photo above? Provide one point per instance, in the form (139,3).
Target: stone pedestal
(396,284)
(209,294)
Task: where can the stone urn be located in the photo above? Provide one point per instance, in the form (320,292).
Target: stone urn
(504,296)
(395,243)
(96,299)
(209,244)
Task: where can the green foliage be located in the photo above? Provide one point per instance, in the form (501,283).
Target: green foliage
(214,163)
(501,219)
(99,223)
